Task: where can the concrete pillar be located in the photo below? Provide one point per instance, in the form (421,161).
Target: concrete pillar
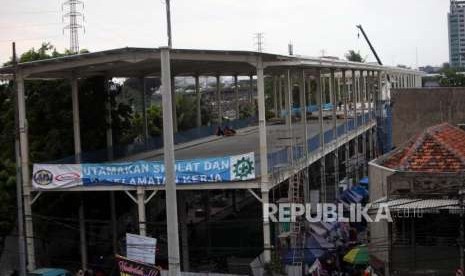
(280,95)
(26,177)
(76,123)
(218,99)
(288,99)
(82,237)
(371,143)
(339,92)
(109,137)
(370,75)
(357,163)
(109,131)
(364,153)
(323,89)
(323,190)
(251,89)
(378,108)
(347,161)
(170,177)
(144,111)
(303,104)
(332,92)
(77,153)
(183,216)
(345,97)
(141,211)
(356,92)
(275,96)
(114,225)
(198,101)
(173,104)
(354,98)
(363,91)
(331,86)
(319,102)
(263,156)
(236,93)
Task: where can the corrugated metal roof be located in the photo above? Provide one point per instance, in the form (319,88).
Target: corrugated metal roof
(425,205)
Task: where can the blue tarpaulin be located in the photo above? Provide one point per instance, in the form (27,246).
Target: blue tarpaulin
(354,194)
(364,182)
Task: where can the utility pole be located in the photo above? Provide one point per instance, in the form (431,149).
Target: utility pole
(19,182)
(168,23)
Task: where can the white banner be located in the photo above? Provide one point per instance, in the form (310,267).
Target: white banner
(141,248)
(53,176)
(144,173)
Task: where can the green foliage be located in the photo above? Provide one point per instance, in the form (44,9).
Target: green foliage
(7,165)
(186,111)
(49,116)
(154,121)
(450,78)
(246,111)
(352,55)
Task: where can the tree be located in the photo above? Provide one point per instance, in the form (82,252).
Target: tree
(352,55)
(49,116)
(450,78)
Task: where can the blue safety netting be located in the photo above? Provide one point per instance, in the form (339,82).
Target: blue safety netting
(153,143)
(281,158)
(310,109)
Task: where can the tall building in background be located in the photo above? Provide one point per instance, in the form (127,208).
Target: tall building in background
(456,18)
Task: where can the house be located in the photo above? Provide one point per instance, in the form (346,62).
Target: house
(421,182)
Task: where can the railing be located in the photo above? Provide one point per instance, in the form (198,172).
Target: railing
(279,161)
(153,143)
(280,158)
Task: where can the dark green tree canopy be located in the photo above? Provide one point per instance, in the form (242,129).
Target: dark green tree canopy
(355,56)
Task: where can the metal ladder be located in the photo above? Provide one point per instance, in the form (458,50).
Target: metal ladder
(295,184)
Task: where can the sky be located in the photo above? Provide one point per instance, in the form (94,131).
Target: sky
(408,32)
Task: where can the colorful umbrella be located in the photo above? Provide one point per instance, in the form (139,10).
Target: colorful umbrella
(357,255)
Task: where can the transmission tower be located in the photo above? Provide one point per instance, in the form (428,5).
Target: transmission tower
(74,25)
(259,41)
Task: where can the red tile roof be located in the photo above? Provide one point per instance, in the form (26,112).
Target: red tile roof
(440,148)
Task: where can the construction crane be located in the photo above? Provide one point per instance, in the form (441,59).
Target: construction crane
(369,44)
(384,112)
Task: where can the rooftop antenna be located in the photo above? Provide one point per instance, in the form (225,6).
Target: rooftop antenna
(259,41)
(73,25)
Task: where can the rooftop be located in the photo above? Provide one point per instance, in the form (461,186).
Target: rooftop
(138,62)
(438,149)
